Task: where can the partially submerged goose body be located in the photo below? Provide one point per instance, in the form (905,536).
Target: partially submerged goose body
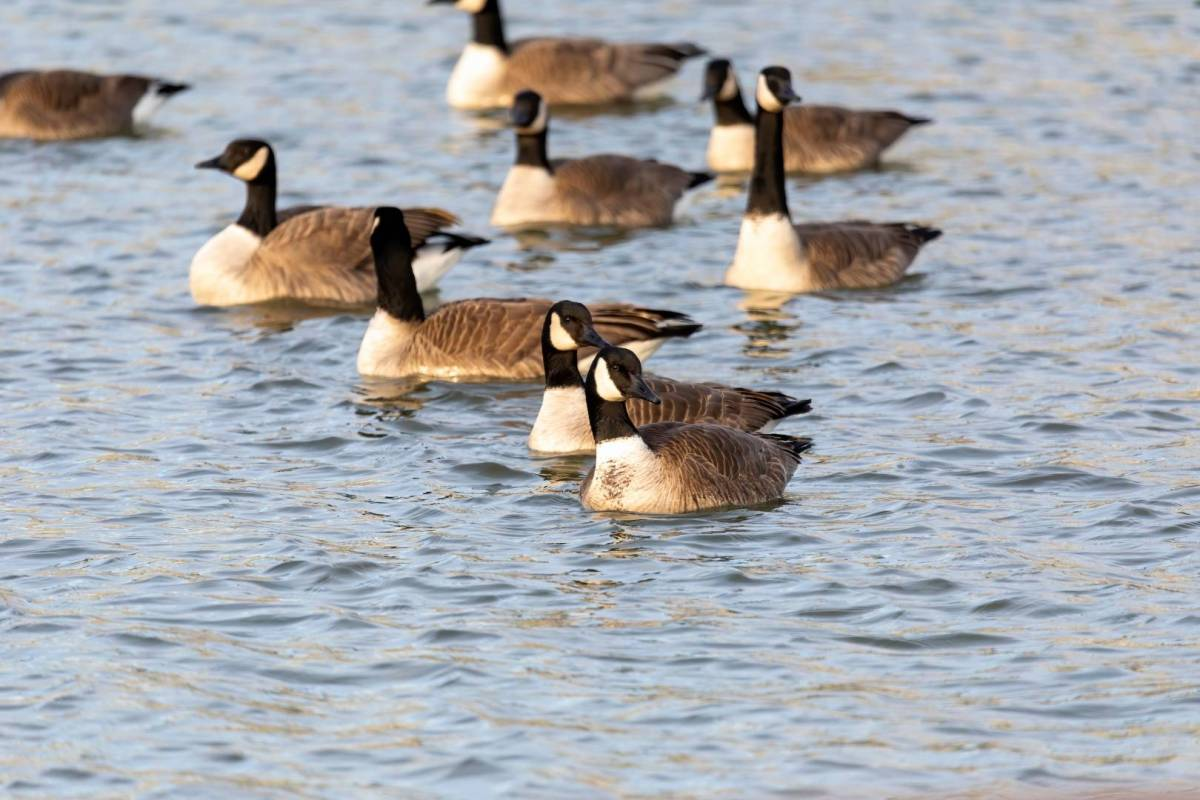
(595,190)
(68,104)
(315,254)
(562,424)
(477,339)
(816,139)
(566,71)
(774,254)
(674,467)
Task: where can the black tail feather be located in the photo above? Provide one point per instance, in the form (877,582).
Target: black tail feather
(794,444)
(699,179)
(457,241)
(168,89)
(923,233)
(678,51)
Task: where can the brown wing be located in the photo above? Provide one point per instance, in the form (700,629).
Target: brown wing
(69,104)
(618,190)
(743,409)
(421,222)
(711,465)
(590,71)
(859,254)
(620,323)
(829,138)
(483,337)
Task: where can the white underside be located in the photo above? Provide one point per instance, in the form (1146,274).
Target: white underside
(383,346)
(477,78)
(731,148)
(151,101)
(526,197)
(432,263)
(627,477)
(215,276)
(769,257)
(562,422)
(652,90)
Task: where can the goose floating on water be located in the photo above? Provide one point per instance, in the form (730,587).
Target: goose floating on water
(674,467)
(566,71)
(67,104)
(562,424)
(481,338)
(774,254)
(317,254)
(595,190)
(816,139)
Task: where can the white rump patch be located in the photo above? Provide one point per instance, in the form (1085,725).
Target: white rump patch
(769,256)
(249,169)
(478,78)
(431,264)
(150,102)
(766,99)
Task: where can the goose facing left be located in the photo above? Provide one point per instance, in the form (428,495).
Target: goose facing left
(315,254)
(594,190)
(68,104)
(484,338)
(674,467)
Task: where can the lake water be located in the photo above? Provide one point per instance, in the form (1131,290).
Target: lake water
(231,567)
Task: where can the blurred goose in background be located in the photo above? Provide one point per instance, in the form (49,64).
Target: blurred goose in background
(595,190)
(566,71)
(562,424)
(776,255)
(317,254)
(816,139)
(67,104)
(482,338)
(674,467)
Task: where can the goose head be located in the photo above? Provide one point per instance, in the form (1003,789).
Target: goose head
(720,81)
(617,376)
(529,113)
(774,90)
(568,327)
(470,6)
(249,160)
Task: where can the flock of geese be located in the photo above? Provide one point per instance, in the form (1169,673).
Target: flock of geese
(661,445)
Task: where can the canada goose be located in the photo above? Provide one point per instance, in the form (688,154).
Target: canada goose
(566,71)
(816,139)
(674,467)
(66,104)
(562,424)
(482,338)
(319,254)
(596,190)
(776,255)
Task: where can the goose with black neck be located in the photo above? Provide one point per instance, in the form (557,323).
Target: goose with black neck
(774,254)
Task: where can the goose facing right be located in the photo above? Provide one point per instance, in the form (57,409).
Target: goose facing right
(594,190)
(68,104)
(315,254)
(674,467)
(774,254)
(477,339)
(566,71)
(562,424)
(816,139)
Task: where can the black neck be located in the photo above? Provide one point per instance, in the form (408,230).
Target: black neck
(531,150)
(398,294)
(609,420)
(732,111)
(259,212)
(561,366)
(488,27)
(768,194)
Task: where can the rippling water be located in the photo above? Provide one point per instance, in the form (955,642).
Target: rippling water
(232,566)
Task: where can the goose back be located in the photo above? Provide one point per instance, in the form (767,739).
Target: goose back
(68,104)
(823,139)
(857,254)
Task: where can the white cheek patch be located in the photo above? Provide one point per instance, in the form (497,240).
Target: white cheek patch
(559,336)
(604,384)
(729,88)
(539,122)
(374,224)
(766,99)
(471,6)
(249,169)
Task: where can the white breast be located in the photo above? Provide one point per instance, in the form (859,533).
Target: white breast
(562,422)
(731,148)
(627,477)
(527,196)
(384,345)
(477,78)
(769,256)
(217,275)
